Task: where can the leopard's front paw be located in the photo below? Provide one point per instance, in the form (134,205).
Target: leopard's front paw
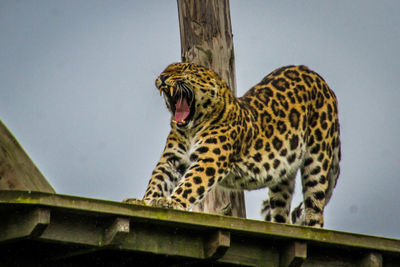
(134,201)
(163,202)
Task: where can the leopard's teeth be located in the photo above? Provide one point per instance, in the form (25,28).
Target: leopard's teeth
(161,91)
(181,122)
(171,90)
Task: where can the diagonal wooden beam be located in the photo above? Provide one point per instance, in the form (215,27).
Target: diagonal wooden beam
(17,171)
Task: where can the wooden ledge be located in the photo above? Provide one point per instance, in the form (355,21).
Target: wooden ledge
(85,227)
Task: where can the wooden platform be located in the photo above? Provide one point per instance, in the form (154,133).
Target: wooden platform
(44,229)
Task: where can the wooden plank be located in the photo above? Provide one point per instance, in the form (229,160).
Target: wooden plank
(196,221)
(17,171)
(293,255)
(206,39)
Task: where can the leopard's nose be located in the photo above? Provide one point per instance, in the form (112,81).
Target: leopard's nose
(163,78)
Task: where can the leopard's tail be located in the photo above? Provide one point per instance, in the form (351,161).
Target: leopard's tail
(266,210)
(297,215)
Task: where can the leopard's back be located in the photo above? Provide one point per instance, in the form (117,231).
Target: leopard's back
(296,119)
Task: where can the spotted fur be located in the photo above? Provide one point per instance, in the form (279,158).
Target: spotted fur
(287,122)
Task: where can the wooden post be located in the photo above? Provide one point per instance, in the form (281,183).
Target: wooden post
(206,39)
(17,171)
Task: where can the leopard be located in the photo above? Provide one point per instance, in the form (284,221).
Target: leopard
(285,123)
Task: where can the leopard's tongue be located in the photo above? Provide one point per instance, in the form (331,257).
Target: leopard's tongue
(182,110)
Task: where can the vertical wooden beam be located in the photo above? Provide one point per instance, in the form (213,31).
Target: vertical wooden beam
(206,39)
(17,171)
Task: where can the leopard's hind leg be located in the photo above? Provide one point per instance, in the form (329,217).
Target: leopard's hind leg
(277,207)
(319,174)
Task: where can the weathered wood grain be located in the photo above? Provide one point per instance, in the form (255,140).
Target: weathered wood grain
(17,171)
(207,40)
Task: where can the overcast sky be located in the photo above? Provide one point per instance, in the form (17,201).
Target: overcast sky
(77,90)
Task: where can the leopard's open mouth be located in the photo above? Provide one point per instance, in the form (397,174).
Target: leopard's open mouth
(181,100)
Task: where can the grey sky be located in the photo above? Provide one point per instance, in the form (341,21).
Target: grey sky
(77,90)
